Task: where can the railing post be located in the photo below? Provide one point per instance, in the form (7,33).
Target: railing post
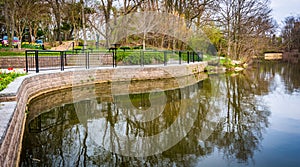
(87,55)
(73,47)
(141,58)
(62,61)
(37,70)
(188,57)
(113,57)
(179,57)
(26,59)
(193,57)
(165,58)
(65,56)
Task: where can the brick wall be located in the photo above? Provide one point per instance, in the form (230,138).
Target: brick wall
(21,91)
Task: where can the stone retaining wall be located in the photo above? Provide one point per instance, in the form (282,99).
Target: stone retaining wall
(13,100)
(15,62)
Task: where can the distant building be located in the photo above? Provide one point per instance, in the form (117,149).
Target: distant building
(273,56)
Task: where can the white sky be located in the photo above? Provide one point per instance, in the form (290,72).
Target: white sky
(284,8)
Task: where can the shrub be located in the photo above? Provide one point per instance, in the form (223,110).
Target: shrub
(134,58)
(30,46)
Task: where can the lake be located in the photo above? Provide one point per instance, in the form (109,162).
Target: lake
(246,119)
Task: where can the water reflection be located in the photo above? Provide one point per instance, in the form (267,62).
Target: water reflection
(231,118)
(288,72)
(239,135)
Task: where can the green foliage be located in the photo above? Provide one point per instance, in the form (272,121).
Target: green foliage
(30,46)
(80,42)
(214,34)
(185,56)
(135,57)
(6,78)
(226,62)
(198,43)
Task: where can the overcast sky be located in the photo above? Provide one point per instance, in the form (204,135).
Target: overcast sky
(284,8)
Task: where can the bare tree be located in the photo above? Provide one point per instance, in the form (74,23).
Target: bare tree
(38,18)
(23,16)
(291,33)
(83,23)
(9,8)
(56,10)
(244,24)
(191,10)
(106,7)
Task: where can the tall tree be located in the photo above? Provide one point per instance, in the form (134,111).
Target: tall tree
(245,24)
(291,33)
(191,10)
(83,23)
(106,7)
(56,10)
(9,8)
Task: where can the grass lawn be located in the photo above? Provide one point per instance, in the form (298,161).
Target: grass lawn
(11,53)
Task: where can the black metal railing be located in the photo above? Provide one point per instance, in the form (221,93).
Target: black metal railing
(37,60)
(165,58)
(89,59)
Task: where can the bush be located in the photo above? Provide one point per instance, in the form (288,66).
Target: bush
(30,46)
(134,58)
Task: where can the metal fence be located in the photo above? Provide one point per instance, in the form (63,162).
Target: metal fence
(37,60)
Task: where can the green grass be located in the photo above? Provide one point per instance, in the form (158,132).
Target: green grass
(11,53)
(6,78)
(207,57)
(6,51)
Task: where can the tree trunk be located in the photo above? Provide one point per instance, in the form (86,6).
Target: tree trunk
(12,29)
(83,24)
(7,18)
(144,41)
(162,41)
(12,24)
(56,8)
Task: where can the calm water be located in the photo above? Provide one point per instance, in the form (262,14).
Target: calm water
(251,119)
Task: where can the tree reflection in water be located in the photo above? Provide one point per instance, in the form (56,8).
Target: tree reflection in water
(57,137)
